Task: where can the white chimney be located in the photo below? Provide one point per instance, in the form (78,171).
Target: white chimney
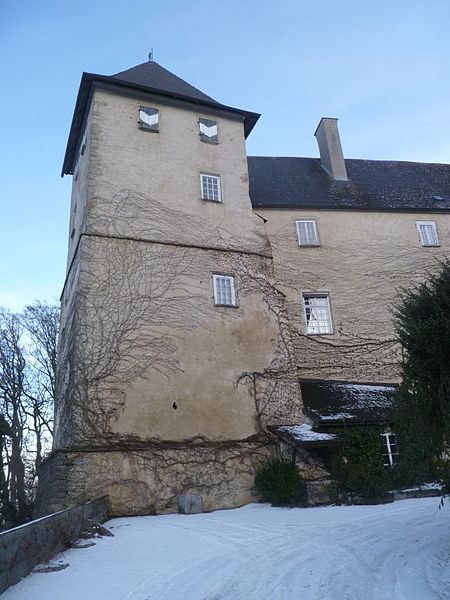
(332,159)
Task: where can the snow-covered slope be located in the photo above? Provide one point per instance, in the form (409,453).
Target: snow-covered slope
(395,551)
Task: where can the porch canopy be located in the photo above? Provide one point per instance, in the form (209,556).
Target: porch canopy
(334,403)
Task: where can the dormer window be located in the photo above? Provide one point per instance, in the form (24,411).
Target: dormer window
(148,118)
(428,233)
(208,131)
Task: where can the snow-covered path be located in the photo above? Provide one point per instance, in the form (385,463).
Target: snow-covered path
(394,551)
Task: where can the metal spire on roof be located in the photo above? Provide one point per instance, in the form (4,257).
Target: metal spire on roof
(150,55)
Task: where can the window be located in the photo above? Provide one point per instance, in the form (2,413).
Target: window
(307,233)
(317,314)
(208,131)
(210,186)
(148,119)
(390,447)
(224,290)
(428,233)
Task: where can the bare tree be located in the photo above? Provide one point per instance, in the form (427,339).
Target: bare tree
(41,324)
(27,376)
(12,386)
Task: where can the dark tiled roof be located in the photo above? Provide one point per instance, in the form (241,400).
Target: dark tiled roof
(151,74)
(333,403)
(280,182)
(149,78)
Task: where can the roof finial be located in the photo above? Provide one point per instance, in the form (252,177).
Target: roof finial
(150,55)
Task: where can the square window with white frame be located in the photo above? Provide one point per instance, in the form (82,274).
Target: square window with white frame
(307,232)
(428,233)
(390,449)
(208,131)
(317,314)
(224,290)
(211,188)
(148,118)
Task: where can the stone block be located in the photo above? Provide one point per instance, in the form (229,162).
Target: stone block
(322,491)
(190,504)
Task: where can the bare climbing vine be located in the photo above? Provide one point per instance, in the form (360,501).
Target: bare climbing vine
(130,304)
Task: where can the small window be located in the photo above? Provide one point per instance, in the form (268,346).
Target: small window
(224,290)
(317,314)
(210,187)
(208,131)
(428,233)
(307,233)
(148,118)
(390,449)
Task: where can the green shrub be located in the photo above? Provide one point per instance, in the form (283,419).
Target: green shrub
(279,482)
(358,467)
(418,460)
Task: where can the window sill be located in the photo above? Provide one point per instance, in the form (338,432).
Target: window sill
(318,334)
(227,305)
(207,141)
(144,127)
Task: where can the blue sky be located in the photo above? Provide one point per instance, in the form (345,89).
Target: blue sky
(381,67)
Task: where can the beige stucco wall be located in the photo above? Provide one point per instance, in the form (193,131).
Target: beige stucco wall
(173,344)
(148,355)
(363,260)
(147,185)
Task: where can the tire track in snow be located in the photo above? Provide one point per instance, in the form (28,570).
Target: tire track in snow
(391,552)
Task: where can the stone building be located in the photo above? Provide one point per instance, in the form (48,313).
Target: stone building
(206,289)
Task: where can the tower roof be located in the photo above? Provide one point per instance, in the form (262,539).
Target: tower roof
(147,77)
(151,74)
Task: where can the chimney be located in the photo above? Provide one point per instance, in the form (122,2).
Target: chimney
(331,157)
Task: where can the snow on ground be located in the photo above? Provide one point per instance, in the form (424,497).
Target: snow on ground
(394,551)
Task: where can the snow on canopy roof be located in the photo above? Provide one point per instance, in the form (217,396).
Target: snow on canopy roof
(303,435)
(331,402)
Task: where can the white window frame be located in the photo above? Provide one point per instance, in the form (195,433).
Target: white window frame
(229,299)
(205,193)
(326,329)
(389,442)
(425,238)
(307,242)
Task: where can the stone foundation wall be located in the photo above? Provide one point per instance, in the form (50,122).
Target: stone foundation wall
(52,489)
(149,480)
(24,547)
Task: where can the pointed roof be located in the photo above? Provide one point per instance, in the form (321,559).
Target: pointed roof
(147,77)
(151,74)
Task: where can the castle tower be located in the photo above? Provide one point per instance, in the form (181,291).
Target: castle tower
(175,353)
